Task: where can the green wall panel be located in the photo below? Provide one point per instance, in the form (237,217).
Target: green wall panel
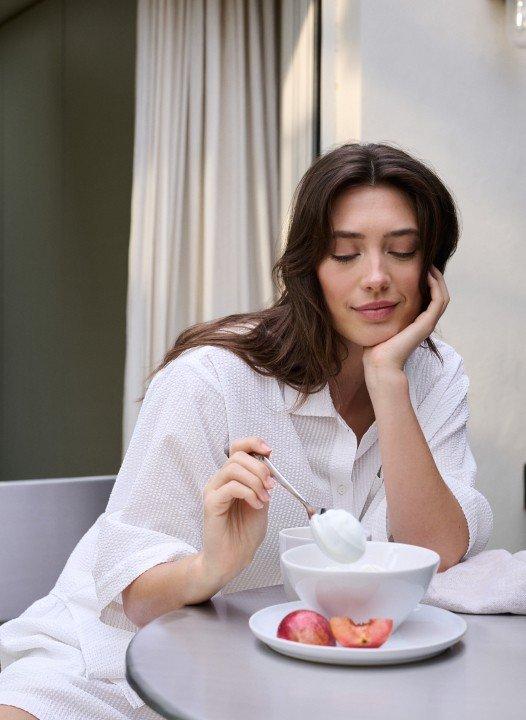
(67,104)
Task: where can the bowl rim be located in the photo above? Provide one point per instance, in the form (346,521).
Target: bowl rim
(283,532)
(424,565)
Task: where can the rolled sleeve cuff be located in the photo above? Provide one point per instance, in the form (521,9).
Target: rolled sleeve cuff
(111,585)
(476,509)
(478,514)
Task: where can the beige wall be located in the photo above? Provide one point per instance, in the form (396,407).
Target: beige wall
(441,80)
(67,104)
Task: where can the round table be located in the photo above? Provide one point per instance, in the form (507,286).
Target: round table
(203,663)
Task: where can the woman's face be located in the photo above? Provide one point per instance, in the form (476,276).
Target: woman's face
(373,228)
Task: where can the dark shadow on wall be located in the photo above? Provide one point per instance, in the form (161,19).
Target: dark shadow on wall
(67,114)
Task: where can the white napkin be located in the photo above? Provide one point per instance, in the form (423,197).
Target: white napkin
(494,581)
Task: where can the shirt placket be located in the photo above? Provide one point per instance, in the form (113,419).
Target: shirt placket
(341,465)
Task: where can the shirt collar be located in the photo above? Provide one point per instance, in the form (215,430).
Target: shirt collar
(318,404)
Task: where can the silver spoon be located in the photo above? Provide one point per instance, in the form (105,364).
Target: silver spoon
(311,509)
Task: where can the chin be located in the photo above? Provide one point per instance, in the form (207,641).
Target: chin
(370,337)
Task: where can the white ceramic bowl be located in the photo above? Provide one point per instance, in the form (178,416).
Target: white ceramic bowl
(336,589)
(292,537)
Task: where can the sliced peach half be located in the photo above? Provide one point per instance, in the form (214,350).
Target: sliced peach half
(370,634)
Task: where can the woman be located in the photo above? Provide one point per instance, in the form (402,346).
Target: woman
(361,409)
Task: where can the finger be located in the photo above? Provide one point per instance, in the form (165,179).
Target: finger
(442,282)
(438,284)
(233,489)
(437,297)
(233,471)
(255,466)
(249,445)
(413,334)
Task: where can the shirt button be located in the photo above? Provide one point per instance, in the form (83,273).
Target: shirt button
(341,489)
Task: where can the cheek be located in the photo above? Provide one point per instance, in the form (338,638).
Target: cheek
(414,298)
(411,283)
(408,286)
(332,284)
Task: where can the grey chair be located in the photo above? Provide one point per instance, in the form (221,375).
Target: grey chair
(41,521)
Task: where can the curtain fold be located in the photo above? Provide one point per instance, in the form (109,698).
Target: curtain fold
(299,111)
(207,194)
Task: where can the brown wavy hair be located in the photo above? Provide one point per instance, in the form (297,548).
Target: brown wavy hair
(294,340)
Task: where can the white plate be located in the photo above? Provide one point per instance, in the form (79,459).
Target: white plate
(427,631)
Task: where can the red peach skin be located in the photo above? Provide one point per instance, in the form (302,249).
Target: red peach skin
(306,626)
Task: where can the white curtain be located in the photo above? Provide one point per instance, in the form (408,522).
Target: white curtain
(214,89)
(299,103)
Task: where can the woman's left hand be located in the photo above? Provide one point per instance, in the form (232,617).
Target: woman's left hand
(393,353)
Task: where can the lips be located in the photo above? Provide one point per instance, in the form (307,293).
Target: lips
(376,305)
(380,313)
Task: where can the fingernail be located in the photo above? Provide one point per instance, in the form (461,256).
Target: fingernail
(265,494)
(265,446)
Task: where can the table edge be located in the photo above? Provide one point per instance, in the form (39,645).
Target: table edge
(148,697)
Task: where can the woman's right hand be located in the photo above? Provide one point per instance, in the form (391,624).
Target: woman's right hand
(236,502)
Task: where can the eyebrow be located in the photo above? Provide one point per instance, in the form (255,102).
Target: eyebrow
(347,234)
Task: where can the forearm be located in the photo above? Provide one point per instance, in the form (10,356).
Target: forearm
(422,509)
(170,586)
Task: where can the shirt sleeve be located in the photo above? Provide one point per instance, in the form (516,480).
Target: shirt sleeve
(457,466)
(443,417)
(155,512)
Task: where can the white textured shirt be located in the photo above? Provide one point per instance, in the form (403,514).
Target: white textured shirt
(193,410)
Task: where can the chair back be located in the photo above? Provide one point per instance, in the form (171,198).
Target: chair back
(41,521)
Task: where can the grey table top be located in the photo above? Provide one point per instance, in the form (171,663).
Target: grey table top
(203,663)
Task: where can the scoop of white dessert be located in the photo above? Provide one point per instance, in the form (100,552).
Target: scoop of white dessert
(339,535)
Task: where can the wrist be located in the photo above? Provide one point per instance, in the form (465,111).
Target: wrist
(380,380)
(211,575)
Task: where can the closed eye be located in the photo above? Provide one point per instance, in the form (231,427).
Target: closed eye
(347,258)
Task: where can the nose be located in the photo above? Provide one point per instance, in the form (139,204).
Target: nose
(375,275)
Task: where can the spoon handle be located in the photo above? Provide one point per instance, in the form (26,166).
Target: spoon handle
(282,481)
